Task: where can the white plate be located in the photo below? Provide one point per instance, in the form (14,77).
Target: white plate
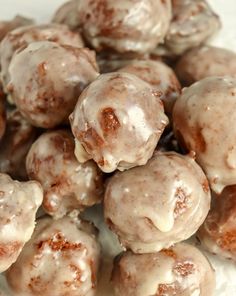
(42,11)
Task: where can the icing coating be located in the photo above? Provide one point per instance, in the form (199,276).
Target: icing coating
(19,202)
(21,37)
(46,80)
(67,14)
(181,270)
(161,77)
(62,258)
(67,184)
(124,25)
(148,207)
(203,122)
(118,120)
(193,22)
(214,61)
(15,145)
(218,233)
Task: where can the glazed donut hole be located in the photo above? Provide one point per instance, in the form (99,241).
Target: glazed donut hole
(122,128)
(215,61)
(46,79)
(67,14)
(160,77)
(180,270)
(218,233)
(17,140)
(193,22)
(17,21)
(21,37)
(126,25)
(203,121)
(68,185)
(69,251)
(19,204)
(148,207)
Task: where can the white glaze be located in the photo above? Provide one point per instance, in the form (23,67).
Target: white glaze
(67,184)
(19,203)
(204,118)
(148,207)
(118,119)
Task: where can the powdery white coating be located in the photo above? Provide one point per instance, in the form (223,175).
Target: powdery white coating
(22,37)
(67,184)
(2,116)
(62,258)
(204,121)
(205,61)
(17,21)
(193,23)
(46,80)
(17,140)
(148,207)
(181,270)
(19,202)
(68,14)
(218,233)
(161,77)
(118,120)
(125,25)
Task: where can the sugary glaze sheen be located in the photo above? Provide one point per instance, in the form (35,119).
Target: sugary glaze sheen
(205,61)
(2,116)
(148,207)
(203,122)
(118,120)
(17,21)
(161,77)
(218,233)
(42,97)
(61,259)
(19,202)
(67,184)
(192,23)
(22,37)
(17,140)
(124,25)
(181,270)
(67,14)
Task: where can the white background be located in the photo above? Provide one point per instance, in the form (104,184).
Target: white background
(42,11)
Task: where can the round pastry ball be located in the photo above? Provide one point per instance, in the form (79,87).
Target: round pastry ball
(67,184)
(22,37)
(62,258)
(118,121)
(205,61)
(17,140)
(180,270)
(192,24)
(149,207)
(161,77)
(17,21)
(204,117)
(218,233)
(19,204)
(67,14)
(2,116)
(46,80)
(125,25)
